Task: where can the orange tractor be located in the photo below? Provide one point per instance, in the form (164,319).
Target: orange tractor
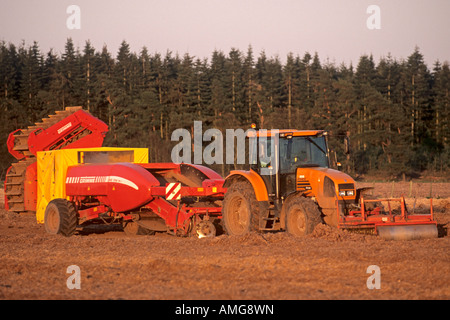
(294,189)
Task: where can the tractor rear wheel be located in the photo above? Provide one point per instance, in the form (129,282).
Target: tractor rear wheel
(60,218)
(240,210)
(302,216)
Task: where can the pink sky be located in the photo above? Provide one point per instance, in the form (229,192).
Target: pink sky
(335,29)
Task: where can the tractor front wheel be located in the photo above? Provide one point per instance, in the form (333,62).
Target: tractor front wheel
(302,216)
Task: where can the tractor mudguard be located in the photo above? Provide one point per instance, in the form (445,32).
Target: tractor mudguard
(254,178)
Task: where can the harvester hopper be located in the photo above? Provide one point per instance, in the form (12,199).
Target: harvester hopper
(72,127)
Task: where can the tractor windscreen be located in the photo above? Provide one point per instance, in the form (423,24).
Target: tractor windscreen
(297,151)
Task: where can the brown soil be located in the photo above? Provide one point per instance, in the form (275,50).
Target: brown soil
(328,264)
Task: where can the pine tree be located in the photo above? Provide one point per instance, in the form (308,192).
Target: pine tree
(441,88)
(218,91)
(364,78)
(184,94)
(202,89)
(10,69)
(289,82)
(30,81)
(441,109)
(102,83)
(71,75)
(249,84)
(172,101)
(88,74)
(234,84)
(120,96)
(417,79)
(270,94)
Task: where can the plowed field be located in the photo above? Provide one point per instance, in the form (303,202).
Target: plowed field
(329,264)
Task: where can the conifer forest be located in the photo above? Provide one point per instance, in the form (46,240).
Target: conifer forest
(394,111)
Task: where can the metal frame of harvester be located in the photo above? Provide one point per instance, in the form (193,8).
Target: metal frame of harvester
(175,198)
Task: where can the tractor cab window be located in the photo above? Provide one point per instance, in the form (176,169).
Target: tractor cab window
(263,153)
(309,151)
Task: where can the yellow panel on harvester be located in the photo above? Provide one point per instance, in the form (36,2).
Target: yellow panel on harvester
(52,168)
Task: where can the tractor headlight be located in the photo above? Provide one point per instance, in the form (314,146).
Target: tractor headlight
(346,189)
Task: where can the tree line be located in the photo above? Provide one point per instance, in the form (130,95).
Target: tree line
(395,112)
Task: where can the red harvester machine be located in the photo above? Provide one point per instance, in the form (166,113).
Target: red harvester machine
(104,184)
(176,198)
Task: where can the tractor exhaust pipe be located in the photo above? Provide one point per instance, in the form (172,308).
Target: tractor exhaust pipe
(408,232)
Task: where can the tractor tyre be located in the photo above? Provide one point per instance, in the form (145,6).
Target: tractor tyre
(240,209)
(60,218)
(302,216)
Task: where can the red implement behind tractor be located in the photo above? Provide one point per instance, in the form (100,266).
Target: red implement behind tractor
(388,222)
(177,198)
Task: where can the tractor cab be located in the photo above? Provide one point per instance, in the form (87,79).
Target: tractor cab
(282,154)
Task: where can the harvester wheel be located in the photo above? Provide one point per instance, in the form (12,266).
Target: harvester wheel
(136,228)
(240,210)
(302,216)
(60,217)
